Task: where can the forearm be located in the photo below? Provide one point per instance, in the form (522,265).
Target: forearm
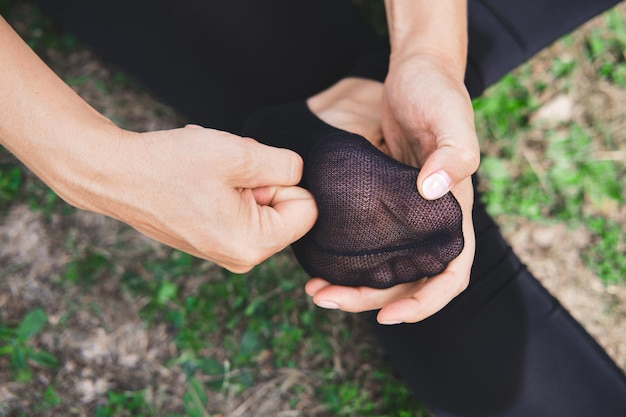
(48,126)
(212,194)
(434,27)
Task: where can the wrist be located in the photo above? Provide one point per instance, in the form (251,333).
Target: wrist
(435,30)
(425,62)
(83,166)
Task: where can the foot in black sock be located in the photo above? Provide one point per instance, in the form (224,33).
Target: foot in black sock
(374,229)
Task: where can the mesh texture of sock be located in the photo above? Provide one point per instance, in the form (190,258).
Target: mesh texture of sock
(374,229)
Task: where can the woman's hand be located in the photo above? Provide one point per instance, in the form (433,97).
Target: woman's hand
(427,121)
(215,195)
(212,194)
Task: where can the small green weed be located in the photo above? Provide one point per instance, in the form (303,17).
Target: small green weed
(86,269)
(607,53)
(562,186)
(10,183)
(195,399)
(569,186)
(506,193)
(606,254)
(563,67)
(349,398)
(125,404)
(504,111)
(17,186)
(16,345)
(50,398)
(574,178)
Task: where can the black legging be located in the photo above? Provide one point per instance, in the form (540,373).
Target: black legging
(504,347)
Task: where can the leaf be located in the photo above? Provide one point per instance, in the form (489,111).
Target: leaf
(31,324)
(195,398)
(249,343)
(18,359)
(45,359)
(167,292)
(50,397)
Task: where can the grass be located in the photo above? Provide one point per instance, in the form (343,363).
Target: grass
(17,346)
(244,342)
(260,320)
(561,179)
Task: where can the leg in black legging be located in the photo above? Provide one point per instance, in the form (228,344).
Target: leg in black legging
(505,33)
(217,61)
(506,347)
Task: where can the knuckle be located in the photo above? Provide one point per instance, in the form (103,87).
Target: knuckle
(235,256)
(251,255)
(243,157)
(470,158)
(244,165)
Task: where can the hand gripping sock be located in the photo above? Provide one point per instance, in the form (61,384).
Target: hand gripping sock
(374,229)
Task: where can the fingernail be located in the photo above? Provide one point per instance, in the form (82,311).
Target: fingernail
(327,304)
(391,322)
(436,185)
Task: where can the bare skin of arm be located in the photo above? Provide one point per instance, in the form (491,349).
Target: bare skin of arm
(212,194)
(427,121)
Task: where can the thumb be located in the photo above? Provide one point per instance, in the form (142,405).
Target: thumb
(456,155)
(447,166)
(269,166)
(290,214)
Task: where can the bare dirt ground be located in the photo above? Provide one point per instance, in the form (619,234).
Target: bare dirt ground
(104,344)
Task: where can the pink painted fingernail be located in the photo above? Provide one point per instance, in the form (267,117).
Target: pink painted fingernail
(436,185)
(391,322)
(327,304)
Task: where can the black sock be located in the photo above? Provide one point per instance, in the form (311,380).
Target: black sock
(374,229)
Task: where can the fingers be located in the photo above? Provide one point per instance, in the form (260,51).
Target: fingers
(433,295)
(261,165)
(274,218)
(251,164)
(413,302)
(405,303)
(290,212)
(356,299)
(436,292)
